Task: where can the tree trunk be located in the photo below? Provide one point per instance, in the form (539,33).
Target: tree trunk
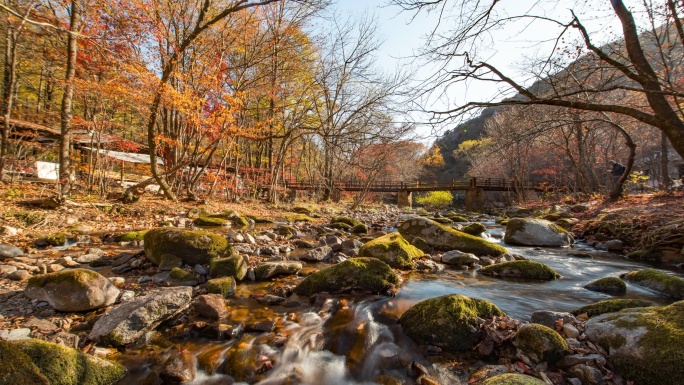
(616,193)
(664,161)
(67,100)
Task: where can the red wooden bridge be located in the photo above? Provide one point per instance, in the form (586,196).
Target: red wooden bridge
(486,184)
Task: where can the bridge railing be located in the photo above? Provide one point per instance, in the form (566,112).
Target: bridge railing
(391,185)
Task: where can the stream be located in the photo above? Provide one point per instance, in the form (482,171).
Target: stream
(356,339)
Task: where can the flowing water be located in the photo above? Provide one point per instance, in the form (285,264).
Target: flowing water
(356,339)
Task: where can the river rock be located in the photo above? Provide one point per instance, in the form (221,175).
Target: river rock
(611,285)
(229,267)
(614,245)
(457,258)
(580,359)
(211,306)
(549,318)
(451,322)
(536,232)
(521,269)
(659,281)
(67,366)
(87,258)
(475,229)
(273,269)
(9,251)
(643,344)
(224,286)
(444,238)
(72,290)
(178,368)
(588,375)
(19,275)
(129,321)
(611,306)
(540,343)
(392,249)
(369,274)
(17,368)
(513,379)
(192,246)
(318,254)
(7,269)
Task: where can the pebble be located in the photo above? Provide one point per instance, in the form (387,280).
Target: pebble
(570,331)
(7,269)
(52,268)
(19,275)
(201,270)
(127,295)
(147,278)
(87,258)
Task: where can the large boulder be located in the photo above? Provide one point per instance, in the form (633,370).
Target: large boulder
(273,269)
(9,251)
(72,290)
(536,232)
(192,246)
(130,320)
(521,269)
(643,344)
(368,274)
(658,281)
(228,267)
(62,365)
(392,249)
(513,379)
(612,285)
(444,238)
(610,306)
(540,343)
(451,322)
(17,368)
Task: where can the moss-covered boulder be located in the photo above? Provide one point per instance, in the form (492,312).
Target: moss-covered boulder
(444,238)
(612,285)
(72,290)
(180,277)
(536,232)
(610,306)
(476,229)
(17,368)
(210,221)
(392,249)
(287,231)
(659,281)
(513,379)
(192,246)
(131,236)
(369,274)
(643,344)
(359,229)
(269,270)
(224,286)
(540,343)
(240,221)
(56,239)
(451,322)
(442,220)
(521,269)
(235,266)
(62,365)
(346,220)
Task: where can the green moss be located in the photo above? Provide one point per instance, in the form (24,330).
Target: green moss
(224,286)
(458,218)
(302,210)
(192,246)
(240,221)
(228,267)
(645,255)
(346,220)
(608,285)
(340,226)
(169,261)
(182,275)
(293,218)
(17,368)
(210,221)
(610,306)
(444,238)
(74,278)
(444,221)
(287,231)
(451,322)
(540,343)
(659,281)
(521,269)
(259,220)
(56,239)
(476,229)
(66,366)
(131,236)
(392,249)
(368,274)
(513,379)
(359,229)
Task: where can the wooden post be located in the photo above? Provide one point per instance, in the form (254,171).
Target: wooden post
(123,164)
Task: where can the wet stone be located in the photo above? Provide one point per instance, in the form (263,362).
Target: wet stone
(261,327)
(19,275)
(9,251)
(88,258)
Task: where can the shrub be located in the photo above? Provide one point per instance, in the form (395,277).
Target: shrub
(436,199)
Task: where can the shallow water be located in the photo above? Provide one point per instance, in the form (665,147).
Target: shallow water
(363,340)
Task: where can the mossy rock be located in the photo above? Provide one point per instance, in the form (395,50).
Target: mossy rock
(658,281)
(183,277)
(444,221)
(346,220)
(521,269)
(16,367)
(224,286)
(302,210)
(369,274)
(211,221)
(259,220)
(451,322)
(287,231)
(66,366)
(294,218)
(168,262)
(567,223)
(540,343)
(444,238)
(242,363)
(56,239)
(72,290)
(513,379)
(644,344)
(458,218)
(235,266)
(611,285)
(421,244)
(476,229)
(131,236)
(610,306)
(359,229)
(392,249)
(192,246)
(340,226)
(240,221)
(536,232)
